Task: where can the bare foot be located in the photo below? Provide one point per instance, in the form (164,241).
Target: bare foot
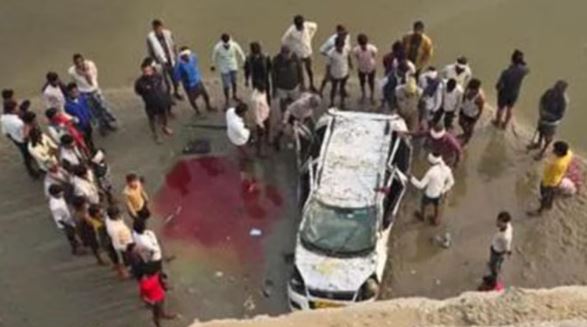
(167,131)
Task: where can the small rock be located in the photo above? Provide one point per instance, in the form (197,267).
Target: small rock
(219,274)
(437,281)
(413,272)
(255,232)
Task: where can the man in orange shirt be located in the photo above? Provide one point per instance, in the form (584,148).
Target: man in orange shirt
(136,198)
(418,46)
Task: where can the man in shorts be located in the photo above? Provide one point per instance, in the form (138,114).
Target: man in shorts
(508,88)
(287,77)
(225,57)
(188,72)
(436,183)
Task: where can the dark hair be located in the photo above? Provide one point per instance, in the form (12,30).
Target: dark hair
(52,77)
(504,216)
(50,113)
(131,177)
(94,210)
(66,139)
(490,281)
(10,106)
(241,108)
(29,117)
(560,148)
(518,57)
(35,136)
(80,170)
(436,154)
(55,189)
(474,84)
(156,23)
(362,39)
(113,212)
(71,86)
(298,19)
(148,61)
(183,48)
(77,56)
(7,94)
(78,202)
(340,28)
(462,60)
(225,37)
(139,226)
(255,47)
(451,84)
(339,41)
(419,26)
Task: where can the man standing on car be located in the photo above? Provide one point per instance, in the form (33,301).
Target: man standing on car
(437,181)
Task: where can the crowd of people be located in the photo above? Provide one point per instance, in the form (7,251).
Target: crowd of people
(76,174)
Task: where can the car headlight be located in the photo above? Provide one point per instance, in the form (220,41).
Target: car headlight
(297,282)
(369,290)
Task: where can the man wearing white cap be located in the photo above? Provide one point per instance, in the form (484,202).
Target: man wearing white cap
(459,70)
(437,181)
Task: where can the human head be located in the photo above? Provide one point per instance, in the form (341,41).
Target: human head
(561,86)
(72,90)
(362,39)
(147,67)
(314,102)
(78,202)
(474,85)
(434,158)
(299,21)
(55,190)
(285,51)
(518,58)
(462,60)
(113,213)
(94,210)
(225,38)
(503,218)
(185,53)
(35,135)
(10,107)
(29,117)
(255,47)
(157,26)
(261,87)
(66,141)
(80,171)
(78,60)
(7,94)
(451,84)
(133,180)
(139,226)
(51,113)
(437,131)
(398,49)
(339,43)
(341,30)
(419,27)
(241,108)
(560,148)
(52,78)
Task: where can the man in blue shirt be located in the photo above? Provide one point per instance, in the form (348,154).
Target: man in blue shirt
(78,107)
(188,73)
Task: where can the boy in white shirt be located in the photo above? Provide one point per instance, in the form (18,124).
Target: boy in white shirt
(298,38)
(339,65)
(226,57)
(501,245)
(437,181)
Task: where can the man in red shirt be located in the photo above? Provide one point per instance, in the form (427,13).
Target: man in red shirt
(153,293)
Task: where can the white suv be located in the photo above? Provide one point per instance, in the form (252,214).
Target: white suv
(353,174)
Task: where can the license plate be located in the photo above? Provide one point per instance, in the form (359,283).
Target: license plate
(324,305)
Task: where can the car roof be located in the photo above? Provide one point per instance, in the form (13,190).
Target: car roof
(354,157)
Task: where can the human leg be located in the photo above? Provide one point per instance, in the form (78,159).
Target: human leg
(362,82)
(233,83)
(495,262)
(343,92)
(27,159)
(333,90)
(192,95)
(308,65)
(371,82)
(225,77)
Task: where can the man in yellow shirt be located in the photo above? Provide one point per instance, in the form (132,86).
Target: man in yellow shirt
(554,172)
(419,48)
(136,198)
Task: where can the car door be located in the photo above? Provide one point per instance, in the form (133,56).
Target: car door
(308,140)
(307,183)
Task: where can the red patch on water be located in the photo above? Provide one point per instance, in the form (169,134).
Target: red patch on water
(203,201)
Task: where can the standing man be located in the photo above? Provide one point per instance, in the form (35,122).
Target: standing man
(298,38)
(54,92)
(85,75)
(407,98)
(554,172)
(444,143)
(366,55)
(77,106)
(418,47)
(341,31)
(13,129)
(62,216)
(225,57)
(136,198)
(338,67)
(258,69)
(188,72)
(287,76)
(508,88)
(553,105)
(501,245)
(431,101)
(459,71)
(239,135)
(451,102)
(471,109)
(161,47)
(150,86)
(437,181)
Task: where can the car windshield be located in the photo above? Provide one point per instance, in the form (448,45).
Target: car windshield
(339,231)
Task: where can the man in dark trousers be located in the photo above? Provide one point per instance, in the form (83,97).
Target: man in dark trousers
(13,129)
(508,88)
(287,77)
(151,87)
(162,48)
(258,69)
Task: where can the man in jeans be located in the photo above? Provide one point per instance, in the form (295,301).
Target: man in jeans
(287,77)
(501,245)
(13,128)
(85,75)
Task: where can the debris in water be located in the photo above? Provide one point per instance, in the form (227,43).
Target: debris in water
(249,304)
(255,232)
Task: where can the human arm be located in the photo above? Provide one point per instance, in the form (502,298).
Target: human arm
(480,103)
(449,182)
(428,51)
(215,52)
(421,184)
(312,28)
(327,45)
(287,35)
(247,68)
(240,52)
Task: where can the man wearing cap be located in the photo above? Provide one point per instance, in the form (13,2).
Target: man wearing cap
(437,181)
(459,70)
(445,144)
(187,71)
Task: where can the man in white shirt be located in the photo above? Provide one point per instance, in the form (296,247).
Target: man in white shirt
(327,46)
(13,128)
(84,185)
(451,102)
(501,245)
(225,56)
(121,238)
(338,67)
(459,70)
(239,136)
(162,48)
(54,92)
(85,75)
(62,216)
(147,245)
(437,181)
(432,91)
(298,38)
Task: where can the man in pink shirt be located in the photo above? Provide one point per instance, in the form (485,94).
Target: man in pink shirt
(365,53)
